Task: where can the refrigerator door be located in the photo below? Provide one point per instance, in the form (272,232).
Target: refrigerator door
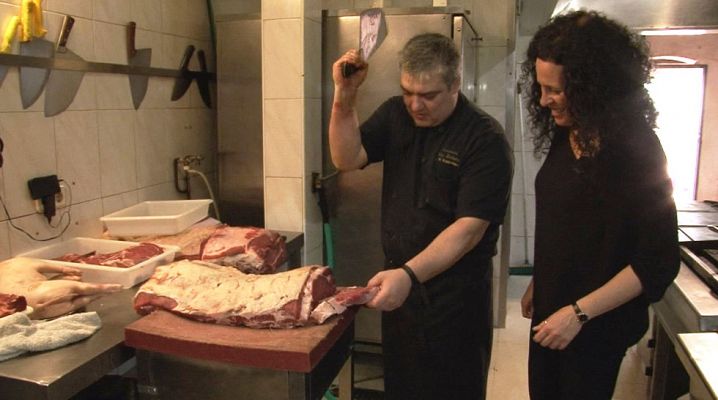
(355,196)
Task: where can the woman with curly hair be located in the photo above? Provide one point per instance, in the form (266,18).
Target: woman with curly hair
(606,233)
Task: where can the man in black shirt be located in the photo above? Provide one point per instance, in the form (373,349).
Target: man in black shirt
(447,174)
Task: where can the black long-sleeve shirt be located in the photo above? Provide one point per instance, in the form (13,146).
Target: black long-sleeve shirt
(594,218)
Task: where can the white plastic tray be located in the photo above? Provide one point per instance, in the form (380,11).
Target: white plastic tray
(156,217)
(127,277)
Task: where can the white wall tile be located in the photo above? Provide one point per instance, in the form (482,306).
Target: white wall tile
(151,147)
(5,252)
(283,204)
(275,9)
(80,169)
(492,76)
(36,226)
(29,152)
(113,92)
(163,191)
(146,13)
(283,144)
(117,202)
(113,11)
(282,57)
(118,166)
(76,8)
(85,220)
(110,42)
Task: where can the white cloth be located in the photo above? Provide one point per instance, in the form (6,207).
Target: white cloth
(18,334)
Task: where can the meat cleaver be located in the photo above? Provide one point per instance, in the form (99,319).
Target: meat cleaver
(185,79)
(62,85)
(203,80)
(137,58)
(32,79)
(372,31)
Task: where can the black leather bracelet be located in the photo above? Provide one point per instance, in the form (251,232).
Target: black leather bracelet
(412,275)
(415,282)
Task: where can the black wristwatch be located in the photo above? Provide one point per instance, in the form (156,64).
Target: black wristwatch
(581,316)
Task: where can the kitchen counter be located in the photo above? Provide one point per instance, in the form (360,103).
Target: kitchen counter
(61,373)
(697,352)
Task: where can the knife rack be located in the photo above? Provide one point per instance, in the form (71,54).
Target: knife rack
(90,66)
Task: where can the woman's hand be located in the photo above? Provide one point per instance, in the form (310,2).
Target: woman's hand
(558,330)
(394,287)
(527,301)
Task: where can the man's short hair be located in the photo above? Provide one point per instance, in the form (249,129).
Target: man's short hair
(429,52)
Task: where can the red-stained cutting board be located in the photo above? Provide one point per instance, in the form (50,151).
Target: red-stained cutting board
(295,349)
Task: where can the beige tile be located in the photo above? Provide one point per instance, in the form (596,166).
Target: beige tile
(110,42)
(78,155)
(36,226)
(116,12)
(118,165)
(313,225)
(312,59)
(282,59)
(77,8)
(152,148)
(117,202)
(163,191)
(10,92)
(274,9)
(283,204)
(113,92)
(5,241)
(146,13)
(85,220)
(29,152)
(283,142)
(492,18)
(159,92)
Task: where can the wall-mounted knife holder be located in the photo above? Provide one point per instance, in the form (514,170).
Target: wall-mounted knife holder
(90,66)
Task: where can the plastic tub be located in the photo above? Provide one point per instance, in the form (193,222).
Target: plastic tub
(156,217)
(127,277)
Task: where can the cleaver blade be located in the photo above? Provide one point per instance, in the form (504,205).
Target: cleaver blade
(137,58)
(62,86)
(372,31)
(32,79)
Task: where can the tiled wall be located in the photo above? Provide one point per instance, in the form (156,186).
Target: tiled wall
(110,154)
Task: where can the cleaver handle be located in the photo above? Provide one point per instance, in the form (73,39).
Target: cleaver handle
(67,23)
(131,28)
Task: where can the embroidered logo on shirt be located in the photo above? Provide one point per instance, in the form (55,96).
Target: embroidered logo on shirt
(449,157)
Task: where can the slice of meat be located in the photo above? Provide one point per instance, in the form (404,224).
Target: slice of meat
(249,249)
(190,241)
(10,304)
(343,298)
(224,295)
(124,258)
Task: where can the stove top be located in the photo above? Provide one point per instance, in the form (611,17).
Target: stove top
(704,262)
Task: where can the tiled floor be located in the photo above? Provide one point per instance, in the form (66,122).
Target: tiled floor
(508,375)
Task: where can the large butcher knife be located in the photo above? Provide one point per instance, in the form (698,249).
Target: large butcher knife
(185,79)
(137,58)
(62,85)
(372,31)
(32,79)
(203,79)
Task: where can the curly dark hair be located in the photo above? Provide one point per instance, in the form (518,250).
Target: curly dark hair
(605,67)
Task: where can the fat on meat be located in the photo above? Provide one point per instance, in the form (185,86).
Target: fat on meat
(224,295)
(249,249)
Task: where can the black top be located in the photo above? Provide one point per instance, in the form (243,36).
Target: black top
(432,176)
(595,217)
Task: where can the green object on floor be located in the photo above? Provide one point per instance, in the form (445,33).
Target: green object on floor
(522,270)
(329,396)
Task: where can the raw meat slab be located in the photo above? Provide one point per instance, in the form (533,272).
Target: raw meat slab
(296,349)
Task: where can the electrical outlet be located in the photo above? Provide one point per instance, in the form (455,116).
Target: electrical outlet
(62,199)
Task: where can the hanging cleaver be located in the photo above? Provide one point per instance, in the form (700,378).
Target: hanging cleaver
(137,58)
(62,86)
(185,79)
(203,80)
(372,31)
(32,79)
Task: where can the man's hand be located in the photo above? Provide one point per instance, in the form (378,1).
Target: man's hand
(51,296)
(394,287)
(352,81)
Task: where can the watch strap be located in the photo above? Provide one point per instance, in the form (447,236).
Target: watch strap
(581,316)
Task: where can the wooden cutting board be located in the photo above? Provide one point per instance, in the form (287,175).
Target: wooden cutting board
(295,349)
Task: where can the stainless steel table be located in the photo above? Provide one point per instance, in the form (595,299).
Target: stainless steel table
(63,372)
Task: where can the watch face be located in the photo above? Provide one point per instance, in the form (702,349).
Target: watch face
(582,317)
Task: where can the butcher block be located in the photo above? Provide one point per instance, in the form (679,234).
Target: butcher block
(295,349)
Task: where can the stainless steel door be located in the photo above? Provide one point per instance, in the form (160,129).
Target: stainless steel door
(355,196)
